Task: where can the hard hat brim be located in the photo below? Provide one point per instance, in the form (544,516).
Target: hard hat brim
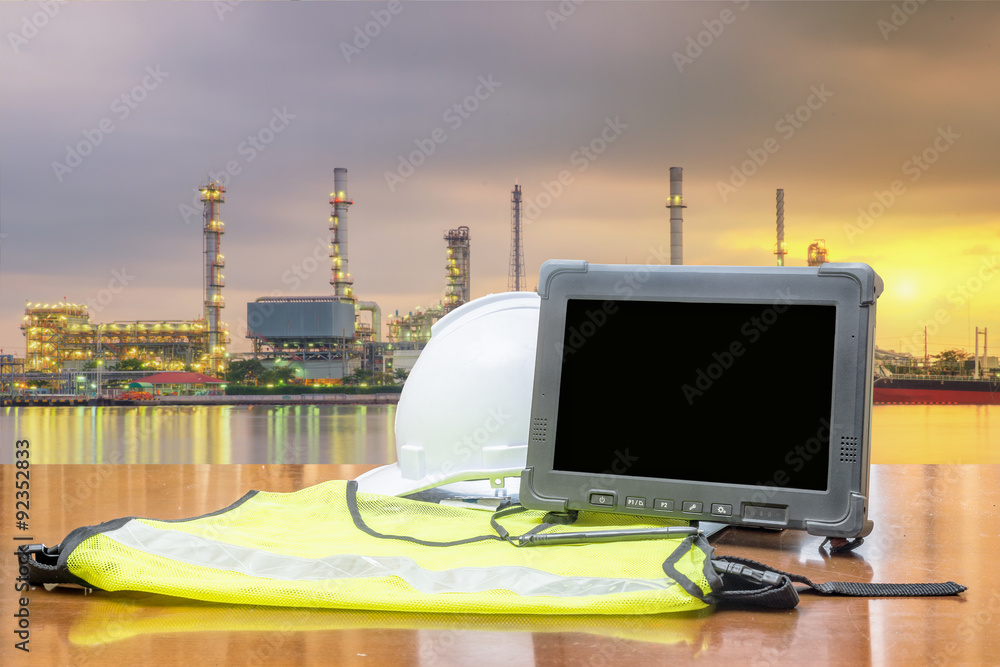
(388,480)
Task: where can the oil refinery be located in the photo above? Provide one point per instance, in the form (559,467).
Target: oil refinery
(327,337)
(60,337)
(415,326)
(322,338)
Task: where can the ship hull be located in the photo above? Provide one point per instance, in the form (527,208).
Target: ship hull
(936,392)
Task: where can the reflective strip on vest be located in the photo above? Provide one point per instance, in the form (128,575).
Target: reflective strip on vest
(203,552)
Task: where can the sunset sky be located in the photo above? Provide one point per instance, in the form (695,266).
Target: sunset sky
(880,125)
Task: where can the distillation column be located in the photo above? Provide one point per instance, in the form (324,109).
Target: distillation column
(817,254)
(340,277)
(780,249)
(515,274)
(676,205)
(213,194)
(457,268)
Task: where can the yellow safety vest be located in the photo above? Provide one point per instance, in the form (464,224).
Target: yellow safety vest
(329,546)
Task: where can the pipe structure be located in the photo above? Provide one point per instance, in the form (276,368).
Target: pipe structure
(213,194)
(457,268)
(340,277)
(515,275)
(676,205)
(977,372)
(780,249)
(376,312)
(817,253)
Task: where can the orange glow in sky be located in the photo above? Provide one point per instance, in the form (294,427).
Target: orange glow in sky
(885,143)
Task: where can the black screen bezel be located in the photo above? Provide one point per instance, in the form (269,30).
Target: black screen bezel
(662,412)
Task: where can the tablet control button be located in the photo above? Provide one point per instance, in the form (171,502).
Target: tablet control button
(635,502)
(602,499)
(765,515)
(690,507)
(722,510)
(663,505)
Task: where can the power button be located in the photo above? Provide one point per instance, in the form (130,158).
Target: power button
(602,499)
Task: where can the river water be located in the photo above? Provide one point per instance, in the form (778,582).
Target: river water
(364,434)
(204,434)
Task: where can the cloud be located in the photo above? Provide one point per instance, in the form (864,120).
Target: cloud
(123,204)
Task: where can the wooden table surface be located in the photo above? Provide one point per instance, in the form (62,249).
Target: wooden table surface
(932,523)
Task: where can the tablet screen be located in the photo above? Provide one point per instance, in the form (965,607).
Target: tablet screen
(733,393)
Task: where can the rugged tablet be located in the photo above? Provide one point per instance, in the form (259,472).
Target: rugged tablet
(738,395)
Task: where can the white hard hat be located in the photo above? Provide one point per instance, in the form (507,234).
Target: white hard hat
(464,410)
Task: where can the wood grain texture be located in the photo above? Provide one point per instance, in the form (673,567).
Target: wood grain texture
(932,523)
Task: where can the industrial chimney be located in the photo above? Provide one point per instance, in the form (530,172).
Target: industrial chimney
(780,249)
(340,277)
(515,272)
(675,204)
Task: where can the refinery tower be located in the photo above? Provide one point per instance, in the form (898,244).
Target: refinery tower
(322,335)
(340,277)
(213,195)
(415,327)
(515,273)
(60,337)
(457,267)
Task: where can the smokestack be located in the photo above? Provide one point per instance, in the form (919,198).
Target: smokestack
(675,204)
(779,249)
(340,277)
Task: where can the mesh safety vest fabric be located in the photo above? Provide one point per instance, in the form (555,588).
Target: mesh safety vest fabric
(328,546)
